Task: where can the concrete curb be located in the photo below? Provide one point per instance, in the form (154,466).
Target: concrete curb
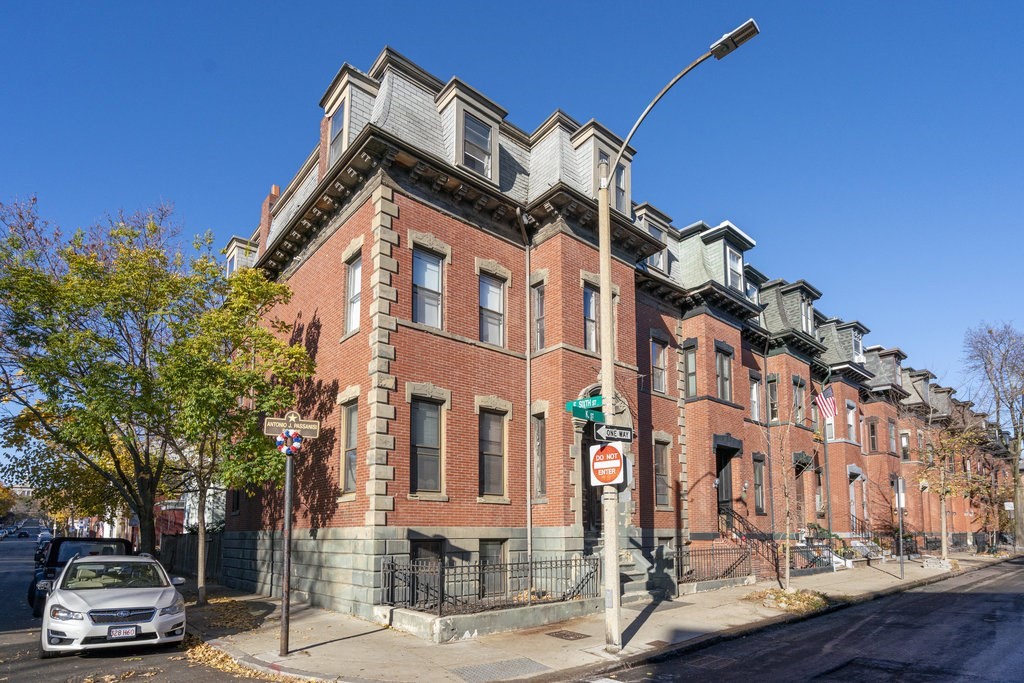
(705,641)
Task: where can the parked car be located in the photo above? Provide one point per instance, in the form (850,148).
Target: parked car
(107,601)
(42,548)
(62,549)
(44,536)
(22,534)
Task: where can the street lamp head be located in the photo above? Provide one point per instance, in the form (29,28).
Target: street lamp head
(733,39)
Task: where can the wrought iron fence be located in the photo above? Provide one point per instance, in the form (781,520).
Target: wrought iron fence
(813,555)
(712,564)
(450,587)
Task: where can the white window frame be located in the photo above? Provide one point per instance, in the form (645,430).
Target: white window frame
(755,399)
(807,315)
(475,157)
(851,422)
(353,293)
(659,370)
(734,268)
(537,292)
(337,133)
(723,374)
(349,446)
(657,260)
(492,309)
(423,295)
(858,347)
(591,318)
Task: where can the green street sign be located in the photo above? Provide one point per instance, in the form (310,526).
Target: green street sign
(590,415)
(583,403)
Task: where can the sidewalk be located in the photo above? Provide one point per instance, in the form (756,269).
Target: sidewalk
(326,645)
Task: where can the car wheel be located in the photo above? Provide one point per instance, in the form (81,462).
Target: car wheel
(44,653)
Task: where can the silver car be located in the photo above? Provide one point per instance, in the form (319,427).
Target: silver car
(111,601)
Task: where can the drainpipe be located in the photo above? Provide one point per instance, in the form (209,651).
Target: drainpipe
(529,404)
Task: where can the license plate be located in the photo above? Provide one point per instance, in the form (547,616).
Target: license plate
(116,632)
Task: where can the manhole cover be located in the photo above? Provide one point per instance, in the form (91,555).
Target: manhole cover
(500,671)
(568,635)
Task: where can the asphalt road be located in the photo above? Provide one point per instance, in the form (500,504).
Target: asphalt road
(19,638)
(967,628)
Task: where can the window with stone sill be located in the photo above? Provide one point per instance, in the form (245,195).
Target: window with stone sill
(426,288)
(591,331)
(350,425)
(659,381)
(492,310)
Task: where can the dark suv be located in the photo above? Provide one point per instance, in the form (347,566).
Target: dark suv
(63,549)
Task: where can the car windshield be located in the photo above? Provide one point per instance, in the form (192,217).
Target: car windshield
(69,549)
(113,574)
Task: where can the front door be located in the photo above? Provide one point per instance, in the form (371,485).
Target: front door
(723,483)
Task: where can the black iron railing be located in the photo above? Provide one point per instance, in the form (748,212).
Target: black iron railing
(761,542)
(451,587)
(859,528)
(712,564)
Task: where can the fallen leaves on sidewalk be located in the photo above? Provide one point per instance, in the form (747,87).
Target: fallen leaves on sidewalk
(796,602)
(199,652)
(229,613)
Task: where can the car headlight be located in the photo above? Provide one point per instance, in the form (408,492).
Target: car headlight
(177,607)
(61,614)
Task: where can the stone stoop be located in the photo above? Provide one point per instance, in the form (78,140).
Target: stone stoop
(642,580)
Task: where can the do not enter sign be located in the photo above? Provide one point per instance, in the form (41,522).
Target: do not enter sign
(607,465)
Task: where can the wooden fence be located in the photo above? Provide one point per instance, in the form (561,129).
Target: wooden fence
(179,555)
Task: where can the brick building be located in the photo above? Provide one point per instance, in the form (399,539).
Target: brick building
(444,265)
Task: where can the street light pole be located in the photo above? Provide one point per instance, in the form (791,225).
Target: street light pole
(610,495)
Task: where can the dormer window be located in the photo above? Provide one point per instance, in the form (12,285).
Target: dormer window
(898,372)
(476,145)
(807,316)
(752,294)
(734,268)
(337,133)
(858,347)
(657,260)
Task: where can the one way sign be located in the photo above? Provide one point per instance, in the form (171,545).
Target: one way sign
(603,432)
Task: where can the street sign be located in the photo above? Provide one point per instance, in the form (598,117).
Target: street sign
(606,464)
(603,432)
(591,415)
(310,429)
(585,403)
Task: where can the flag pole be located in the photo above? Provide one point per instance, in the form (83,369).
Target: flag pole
(824,441)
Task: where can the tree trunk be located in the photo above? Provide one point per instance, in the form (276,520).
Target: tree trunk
(942,527)
(201,550)
(1018,499)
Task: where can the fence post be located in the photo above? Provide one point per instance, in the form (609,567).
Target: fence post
(440,586)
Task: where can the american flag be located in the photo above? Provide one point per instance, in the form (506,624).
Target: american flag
(826,401)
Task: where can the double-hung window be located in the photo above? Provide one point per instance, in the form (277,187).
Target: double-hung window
(476,145)
(591,305)
(858,347)
(755,399)
(773,400)
(492,310)
(851,421)
(659,381)
(798,401)
(759,484)
(337,133)
(657,260)
(426,446)
(662,483)
(807,315)
(690,372)
(723,368)
(538,315)
(873,437)
(353,293)
(905,445)
(892,436)
(540,459)
(348,477)
(492,453)
(620,188)
(735,268)
(426,288)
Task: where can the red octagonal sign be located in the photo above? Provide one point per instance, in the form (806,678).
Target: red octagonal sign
(606,464)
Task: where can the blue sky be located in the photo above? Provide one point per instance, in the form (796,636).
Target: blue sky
(871,148)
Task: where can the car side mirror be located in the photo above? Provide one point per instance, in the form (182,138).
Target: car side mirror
(44,585)
(177,581)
